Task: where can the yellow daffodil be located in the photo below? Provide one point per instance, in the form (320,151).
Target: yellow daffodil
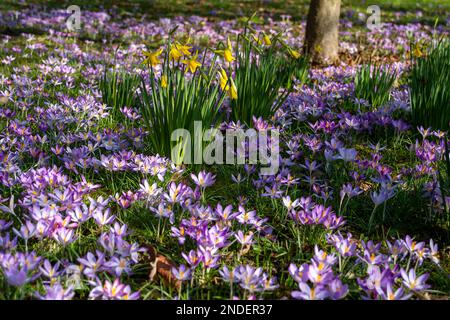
(192,64)
(223,79)
(232,92)
(294,54)
(175,54)
(227,84)
(152,57)
(257,39)
(163,81)
(417,52)
(227,54)
(267,40)
(184,48)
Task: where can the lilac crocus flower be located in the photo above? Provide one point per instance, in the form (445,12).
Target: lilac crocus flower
(56,292)
(118,265)
(113,291)
(64,236)
(308,293)
(413,245)
(434,252)
(347,155)
(246,217)
(209,259)
(389,294)
(4,225)
(103,218)
(289,204)
(192,258)
(249,278)
(182,273)
(412,282)
(226,213)
(244,239)
(299,274)
(92,263)
(50,271)
(396,249)
(348,190)
(203,179)
(337,289)
(228,275)
(382,196)
(16,276)
(26,231)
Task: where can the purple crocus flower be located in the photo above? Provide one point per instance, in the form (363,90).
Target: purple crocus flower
(182,273)
(337,289)
(244,239)
(310,293)
(26,231)
(382,196)
(64,236)
(413,245)
(348,155)
(118,265)
(16,276)
(246,217)
(203,179)
(92,263)
(412,282)
(103,218)
(4,225)
(228,275)
(434,252)
(299,274)
(389,294)
(113,291)
(56,292)
(50,271)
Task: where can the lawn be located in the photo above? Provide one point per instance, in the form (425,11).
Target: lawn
(93,204)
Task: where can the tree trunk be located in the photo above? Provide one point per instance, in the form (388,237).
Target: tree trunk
(322,26)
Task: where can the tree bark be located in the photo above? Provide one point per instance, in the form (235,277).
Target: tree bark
(322,27)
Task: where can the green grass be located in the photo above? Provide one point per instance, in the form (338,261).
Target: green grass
(220,9)
(406,213)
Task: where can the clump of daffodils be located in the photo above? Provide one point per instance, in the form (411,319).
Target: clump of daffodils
(179,55)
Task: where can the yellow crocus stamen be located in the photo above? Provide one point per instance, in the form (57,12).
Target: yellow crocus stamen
(152,57)
(191,64)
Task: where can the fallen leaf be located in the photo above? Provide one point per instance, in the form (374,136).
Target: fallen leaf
(161,268)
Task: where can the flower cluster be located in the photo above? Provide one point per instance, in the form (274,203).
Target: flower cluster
(317,280)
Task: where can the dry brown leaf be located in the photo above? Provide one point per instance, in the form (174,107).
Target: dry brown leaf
(161,268)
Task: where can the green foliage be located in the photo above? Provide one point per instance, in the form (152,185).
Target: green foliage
(118,91)
(263,78)
(177,105)
(430,100)
(430,88)
(374,83)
